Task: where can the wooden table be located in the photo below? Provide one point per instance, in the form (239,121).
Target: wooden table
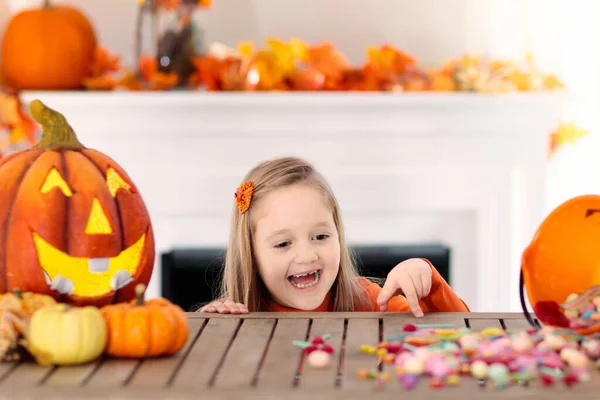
(252,357)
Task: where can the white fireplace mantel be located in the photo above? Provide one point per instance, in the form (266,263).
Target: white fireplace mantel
(467,170)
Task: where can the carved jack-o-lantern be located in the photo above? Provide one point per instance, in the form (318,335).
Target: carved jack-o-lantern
(72,223)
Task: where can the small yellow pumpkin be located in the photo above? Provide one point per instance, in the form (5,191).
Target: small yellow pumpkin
(65,335)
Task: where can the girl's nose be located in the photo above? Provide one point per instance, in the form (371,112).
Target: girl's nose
(306,254)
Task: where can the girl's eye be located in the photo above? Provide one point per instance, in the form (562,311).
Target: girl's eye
(321,237)
(282,245)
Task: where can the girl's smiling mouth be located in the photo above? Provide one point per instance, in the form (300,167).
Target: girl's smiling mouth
(305,279)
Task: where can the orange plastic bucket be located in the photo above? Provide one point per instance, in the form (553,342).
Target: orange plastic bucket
(564,256)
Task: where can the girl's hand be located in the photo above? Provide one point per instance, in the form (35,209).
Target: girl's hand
(225,306)
(411,277)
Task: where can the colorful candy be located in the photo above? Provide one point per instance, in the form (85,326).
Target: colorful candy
(493,356)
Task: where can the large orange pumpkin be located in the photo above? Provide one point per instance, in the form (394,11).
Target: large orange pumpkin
(48,48)
(564,255)
(72,223)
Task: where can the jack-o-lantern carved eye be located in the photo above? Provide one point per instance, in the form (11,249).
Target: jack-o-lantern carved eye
(115,182)
(54,179)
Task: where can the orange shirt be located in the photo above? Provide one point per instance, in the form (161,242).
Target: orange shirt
(441,298)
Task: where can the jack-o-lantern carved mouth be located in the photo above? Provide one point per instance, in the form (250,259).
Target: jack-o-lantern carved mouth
(82,276)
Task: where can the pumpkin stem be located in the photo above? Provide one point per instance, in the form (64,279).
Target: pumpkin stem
(57,134)
(139,294)
(47,4)
(18,293)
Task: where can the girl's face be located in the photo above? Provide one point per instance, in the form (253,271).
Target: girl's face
(296,246)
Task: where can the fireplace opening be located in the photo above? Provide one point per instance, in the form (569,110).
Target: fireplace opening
(191,276)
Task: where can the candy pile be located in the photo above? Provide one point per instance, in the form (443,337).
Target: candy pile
(493,355)
(579,311)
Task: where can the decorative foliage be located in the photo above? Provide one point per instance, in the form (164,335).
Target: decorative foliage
(17,130)
(295,65)
(566,133)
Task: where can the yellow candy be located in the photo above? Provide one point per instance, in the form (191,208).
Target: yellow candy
(445,332)
(453,380)
(381,352)
(492,332)
(367,349)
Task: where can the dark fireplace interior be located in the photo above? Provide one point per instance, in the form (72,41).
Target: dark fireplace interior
(191,276)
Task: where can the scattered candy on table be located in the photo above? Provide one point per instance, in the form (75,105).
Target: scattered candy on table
(493,356)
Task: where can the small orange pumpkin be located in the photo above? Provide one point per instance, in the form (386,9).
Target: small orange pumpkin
(48,48)
(145,328)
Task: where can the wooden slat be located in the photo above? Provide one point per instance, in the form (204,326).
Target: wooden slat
(478,324)
(26,374)
(282,359)
(349,315)
(315,379)
(245,355)
(358,332)
(156,372)
(6,368)
(71,376)
(112,373)
(206,354)
(515,323)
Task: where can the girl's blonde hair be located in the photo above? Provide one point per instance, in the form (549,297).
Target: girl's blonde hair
(241,280)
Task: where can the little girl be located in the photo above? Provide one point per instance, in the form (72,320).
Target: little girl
(288,252)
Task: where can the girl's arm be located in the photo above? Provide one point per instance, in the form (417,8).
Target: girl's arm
(424,289)
(441,297)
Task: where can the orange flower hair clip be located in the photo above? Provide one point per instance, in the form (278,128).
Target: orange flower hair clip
(243,196)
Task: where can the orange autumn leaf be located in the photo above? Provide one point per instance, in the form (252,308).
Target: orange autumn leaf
(208,71)
(441,81)
(326,59)
(390,59)
(168,4)
(9,110)
(163,80)
(148,66)
(130,81)
(239,75)
(552,82)
(566,133)
(100,83)
(104,62)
